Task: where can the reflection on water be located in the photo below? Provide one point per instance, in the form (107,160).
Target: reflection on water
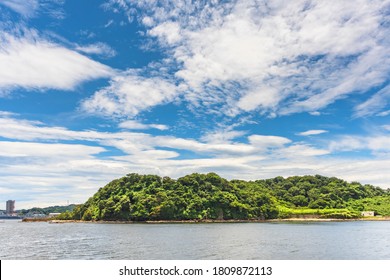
(273,241)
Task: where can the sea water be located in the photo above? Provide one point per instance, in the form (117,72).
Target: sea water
(357,240)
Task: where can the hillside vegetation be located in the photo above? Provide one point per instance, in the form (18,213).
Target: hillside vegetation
(47,210)
(208,196)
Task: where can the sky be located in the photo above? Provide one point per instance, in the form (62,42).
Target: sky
(250,89)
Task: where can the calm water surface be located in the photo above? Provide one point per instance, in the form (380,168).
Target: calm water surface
(273,241)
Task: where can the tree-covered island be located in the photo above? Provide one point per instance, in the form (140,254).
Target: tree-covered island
(209,197)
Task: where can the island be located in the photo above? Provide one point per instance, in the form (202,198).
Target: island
(209,197)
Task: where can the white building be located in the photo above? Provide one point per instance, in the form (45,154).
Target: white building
(54,214)
(368,214)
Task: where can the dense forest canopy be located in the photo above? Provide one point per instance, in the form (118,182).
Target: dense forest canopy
(208,196)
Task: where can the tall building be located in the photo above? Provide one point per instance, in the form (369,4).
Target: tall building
(10,207)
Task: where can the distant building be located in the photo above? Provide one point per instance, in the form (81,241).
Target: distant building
(34,215)
(53,214)
(10,207)
(368,213)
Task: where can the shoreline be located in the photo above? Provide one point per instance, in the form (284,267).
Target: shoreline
(380,219)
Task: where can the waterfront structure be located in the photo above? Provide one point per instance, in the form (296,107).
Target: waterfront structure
(368,213)
(10,207)
(51,215)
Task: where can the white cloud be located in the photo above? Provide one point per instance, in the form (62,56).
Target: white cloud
(375,104)
(31,130)
(312,132)
(211,149)
(277,57)
(268,141)
(130,94)
(369,70)
(6,114)
(384,113)
(222,136)
(27,8)
(299,150)
(347,143)
(379,143)
(262,97)
(109,23)
(213,144)
(43,150)
(168,31)
(97,48)
(135,125)
(29,61)
(374,143)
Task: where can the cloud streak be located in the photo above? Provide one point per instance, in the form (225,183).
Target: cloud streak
(376,104)
(28,61)
(26,8)
(135,125)
(99,48)
(312,132)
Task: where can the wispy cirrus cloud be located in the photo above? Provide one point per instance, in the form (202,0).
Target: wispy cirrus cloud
(273,57)
(99,48)
(27,8)
(378,104)
(32,8)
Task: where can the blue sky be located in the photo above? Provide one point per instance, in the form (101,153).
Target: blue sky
(93,90)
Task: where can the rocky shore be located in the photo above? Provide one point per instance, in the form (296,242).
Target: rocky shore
(214,221)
